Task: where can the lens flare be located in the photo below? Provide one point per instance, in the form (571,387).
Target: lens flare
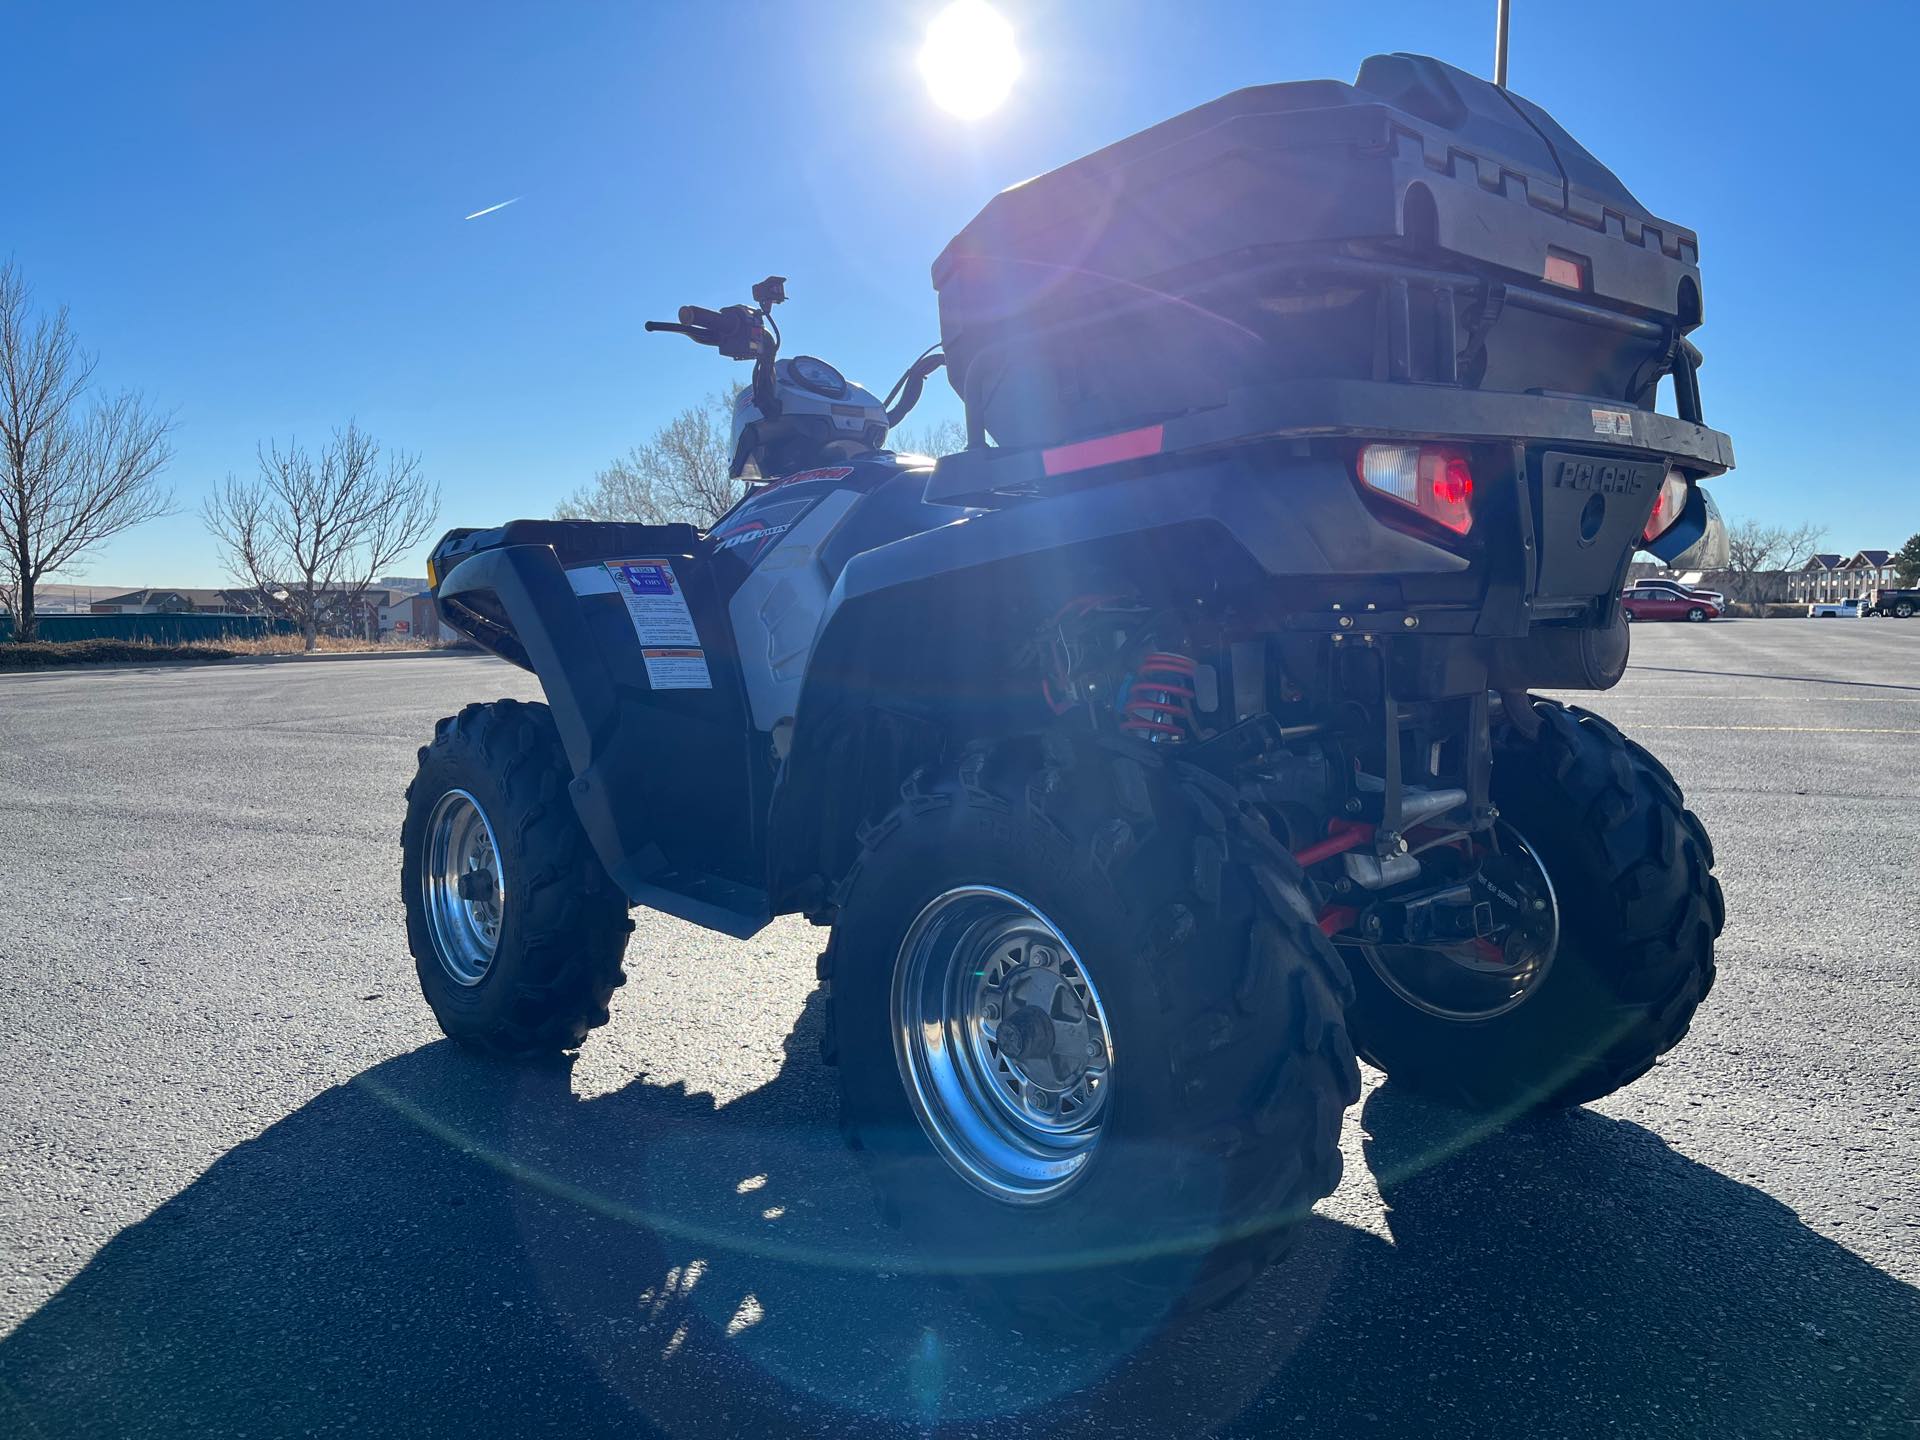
(969,60)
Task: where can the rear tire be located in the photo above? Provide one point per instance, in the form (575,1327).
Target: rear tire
(533,973)
(1639,911)
(1230,1060)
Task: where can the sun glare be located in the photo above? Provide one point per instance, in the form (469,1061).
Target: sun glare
(969,60)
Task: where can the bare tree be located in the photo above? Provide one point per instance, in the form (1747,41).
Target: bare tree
(680,474)
(311,533)
(73,474)
(624,490)
(941,438)
(1755,551)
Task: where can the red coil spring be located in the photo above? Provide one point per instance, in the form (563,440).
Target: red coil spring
(1160,701)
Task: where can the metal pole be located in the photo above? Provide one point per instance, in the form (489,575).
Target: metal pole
(1500,45)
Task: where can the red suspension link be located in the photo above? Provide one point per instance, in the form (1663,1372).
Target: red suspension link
(1342,836)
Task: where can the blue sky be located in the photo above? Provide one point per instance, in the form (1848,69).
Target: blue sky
(254,210)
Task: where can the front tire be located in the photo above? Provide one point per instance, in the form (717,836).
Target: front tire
(1201,988)
(1638,912)
(517,934)
(1697,615)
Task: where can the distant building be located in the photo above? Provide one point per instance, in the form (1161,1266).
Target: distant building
(1829,577)
(414,617)
(180,602)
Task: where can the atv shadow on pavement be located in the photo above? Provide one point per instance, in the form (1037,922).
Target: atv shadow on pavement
(448,1246)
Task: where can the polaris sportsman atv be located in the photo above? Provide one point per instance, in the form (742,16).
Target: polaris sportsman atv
(1172,742)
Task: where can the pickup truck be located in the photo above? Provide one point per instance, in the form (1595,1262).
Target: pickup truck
(1847,609)
(1900,604)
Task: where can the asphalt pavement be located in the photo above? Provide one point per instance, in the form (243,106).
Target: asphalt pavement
(248,1189)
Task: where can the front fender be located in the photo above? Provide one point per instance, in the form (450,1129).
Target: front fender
(524,586)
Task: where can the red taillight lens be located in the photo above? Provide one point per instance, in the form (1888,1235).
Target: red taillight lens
(1668,503)
(1435,480)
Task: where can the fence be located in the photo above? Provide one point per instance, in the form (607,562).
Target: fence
(181,629)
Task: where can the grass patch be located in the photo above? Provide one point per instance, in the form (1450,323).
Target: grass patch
(324,645)
(47,654)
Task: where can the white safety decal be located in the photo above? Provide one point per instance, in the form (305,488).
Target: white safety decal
(654,603)
(677,669)
(1613,422)
(592,580)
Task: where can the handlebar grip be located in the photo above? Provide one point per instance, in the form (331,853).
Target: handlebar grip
(706,319)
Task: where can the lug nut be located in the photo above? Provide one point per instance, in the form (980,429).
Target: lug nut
(1042,956)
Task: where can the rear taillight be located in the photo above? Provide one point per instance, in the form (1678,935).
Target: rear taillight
(1435,480)
(1668,504)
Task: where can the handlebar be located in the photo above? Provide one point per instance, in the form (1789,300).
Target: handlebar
(737,331)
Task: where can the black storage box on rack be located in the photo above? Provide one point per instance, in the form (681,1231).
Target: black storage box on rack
(1418,225)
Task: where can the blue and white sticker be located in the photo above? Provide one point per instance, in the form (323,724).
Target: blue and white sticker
(655,604)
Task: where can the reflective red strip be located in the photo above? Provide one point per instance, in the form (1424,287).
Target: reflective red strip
(1564,271)
(1102,450)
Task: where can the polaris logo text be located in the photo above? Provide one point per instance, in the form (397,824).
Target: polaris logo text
(1600,477)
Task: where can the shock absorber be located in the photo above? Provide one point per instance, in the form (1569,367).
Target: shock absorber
(1159,703)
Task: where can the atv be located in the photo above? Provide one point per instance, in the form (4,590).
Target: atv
(1173,742)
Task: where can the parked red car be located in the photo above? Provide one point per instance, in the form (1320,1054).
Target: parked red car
(1660,602)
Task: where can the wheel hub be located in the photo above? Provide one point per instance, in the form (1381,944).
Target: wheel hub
(463,888)
(1002,1043)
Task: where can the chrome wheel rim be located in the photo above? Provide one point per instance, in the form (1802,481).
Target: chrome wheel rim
(1465,982)
(1002,1042)
(463,887)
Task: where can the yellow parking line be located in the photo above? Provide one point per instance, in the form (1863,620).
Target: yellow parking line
(1657,696)
(1784,729)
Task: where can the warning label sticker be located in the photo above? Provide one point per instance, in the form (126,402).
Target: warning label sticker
(654,603)
(1613,422)
(677,669)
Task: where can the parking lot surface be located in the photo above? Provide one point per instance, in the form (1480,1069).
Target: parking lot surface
(249,1190)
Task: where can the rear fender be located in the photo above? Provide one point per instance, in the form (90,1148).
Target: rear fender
(916,652)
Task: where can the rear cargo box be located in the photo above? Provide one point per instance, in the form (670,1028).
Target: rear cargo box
(1417,225)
